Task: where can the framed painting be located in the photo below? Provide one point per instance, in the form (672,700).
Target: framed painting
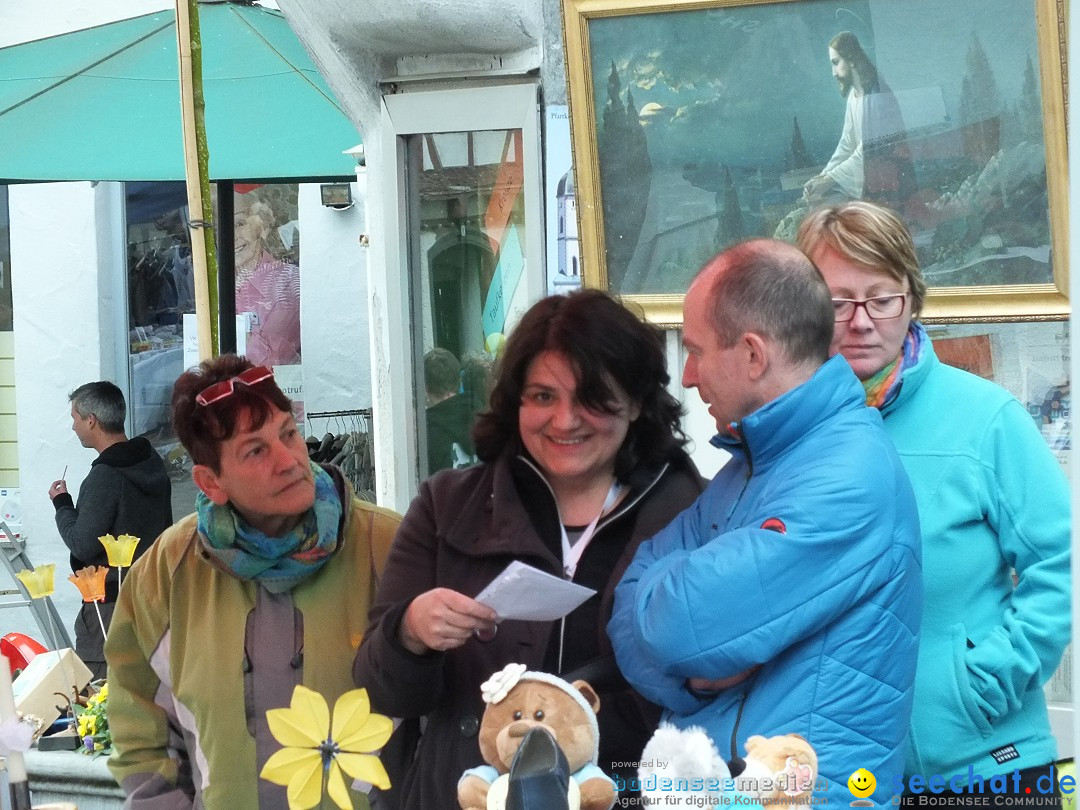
(696,125)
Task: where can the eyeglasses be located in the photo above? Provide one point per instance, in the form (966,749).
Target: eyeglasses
(221,390)
(880,308)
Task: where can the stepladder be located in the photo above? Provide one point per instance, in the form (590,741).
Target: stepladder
(14,559)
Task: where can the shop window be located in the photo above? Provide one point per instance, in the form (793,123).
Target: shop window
(160,291)
(267,243)
(267,252)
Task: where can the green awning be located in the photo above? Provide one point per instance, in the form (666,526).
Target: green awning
(104,103)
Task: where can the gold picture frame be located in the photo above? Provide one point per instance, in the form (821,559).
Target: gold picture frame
(692,125)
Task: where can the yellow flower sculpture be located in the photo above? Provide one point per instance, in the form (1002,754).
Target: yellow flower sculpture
(316,752)
(39,582)
(91,582)
(120,549)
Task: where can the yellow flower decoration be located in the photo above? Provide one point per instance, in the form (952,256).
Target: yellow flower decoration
(39,582)
(120,549)
(314,749)
(91,582)
(87,725)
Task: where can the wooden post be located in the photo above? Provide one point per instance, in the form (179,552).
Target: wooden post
(197,173)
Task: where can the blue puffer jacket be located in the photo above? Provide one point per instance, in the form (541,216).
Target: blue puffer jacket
(992,499)
(827,600)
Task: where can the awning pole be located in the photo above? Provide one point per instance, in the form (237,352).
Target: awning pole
(197,172)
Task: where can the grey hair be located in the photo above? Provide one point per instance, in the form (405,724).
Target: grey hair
(102,399)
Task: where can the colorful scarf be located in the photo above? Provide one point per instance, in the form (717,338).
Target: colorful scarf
(882,388)
(277,563)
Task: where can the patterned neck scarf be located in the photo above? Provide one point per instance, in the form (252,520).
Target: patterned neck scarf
(882,388)
(278,563)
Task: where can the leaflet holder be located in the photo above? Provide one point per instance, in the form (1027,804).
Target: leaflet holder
(13,558)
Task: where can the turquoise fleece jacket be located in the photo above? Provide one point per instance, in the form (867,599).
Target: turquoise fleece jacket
(801,557)
(992,499)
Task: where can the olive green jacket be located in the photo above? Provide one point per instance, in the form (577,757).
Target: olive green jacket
(196,657)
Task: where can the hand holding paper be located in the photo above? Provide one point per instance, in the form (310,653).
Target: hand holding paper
(529,594)
(443,619)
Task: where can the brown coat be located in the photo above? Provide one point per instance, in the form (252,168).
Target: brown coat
(463,529)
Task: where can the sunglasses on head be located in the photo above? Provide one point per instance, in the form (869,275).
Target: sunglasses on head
(221,390)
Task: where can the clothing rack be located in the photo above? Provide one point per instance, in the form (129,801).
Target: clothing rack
(345,440)
(360,416)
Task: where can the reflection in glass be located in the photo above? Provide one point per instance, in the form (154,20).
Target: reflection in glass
(267,249)
(5,263)
(467,258)
(160,290)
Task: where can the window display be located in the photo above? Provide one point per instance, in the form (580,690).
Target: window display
(160,290)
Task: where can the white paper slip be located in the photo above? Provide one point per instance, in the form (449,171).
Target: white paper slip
(527,593)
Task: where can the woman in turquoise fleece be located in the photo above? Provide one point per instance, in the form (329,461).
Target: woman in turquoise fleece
(992,500)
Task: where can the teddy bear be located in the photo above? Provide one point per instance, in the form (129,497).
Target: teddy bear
(779,772)
(683,768)
(518,700)
(676,754)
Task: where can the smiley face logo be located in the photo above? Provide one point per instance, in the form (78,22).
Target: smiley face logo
(861,783)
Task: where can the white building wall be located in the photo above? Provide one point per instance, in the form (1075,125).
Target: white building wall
(64,336)
(334,304)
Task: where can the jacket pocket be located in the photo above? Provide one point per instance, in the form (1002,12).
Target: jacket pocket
(962,681)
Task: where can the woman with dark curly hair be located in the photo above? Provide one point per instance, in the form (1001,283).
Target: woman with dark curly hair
(583,459)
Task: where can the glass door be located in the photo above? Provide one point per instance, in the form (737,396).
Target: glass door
(468,259)
(470,242)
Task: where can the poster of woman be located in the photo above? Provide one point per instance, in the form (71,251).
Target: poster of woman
(267,283)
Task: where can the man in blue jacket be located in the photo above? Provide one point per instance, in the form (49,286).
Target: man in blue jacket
(787,598)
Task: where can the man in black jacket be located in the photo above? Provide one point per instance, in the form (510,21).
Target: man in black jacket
(127,492)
